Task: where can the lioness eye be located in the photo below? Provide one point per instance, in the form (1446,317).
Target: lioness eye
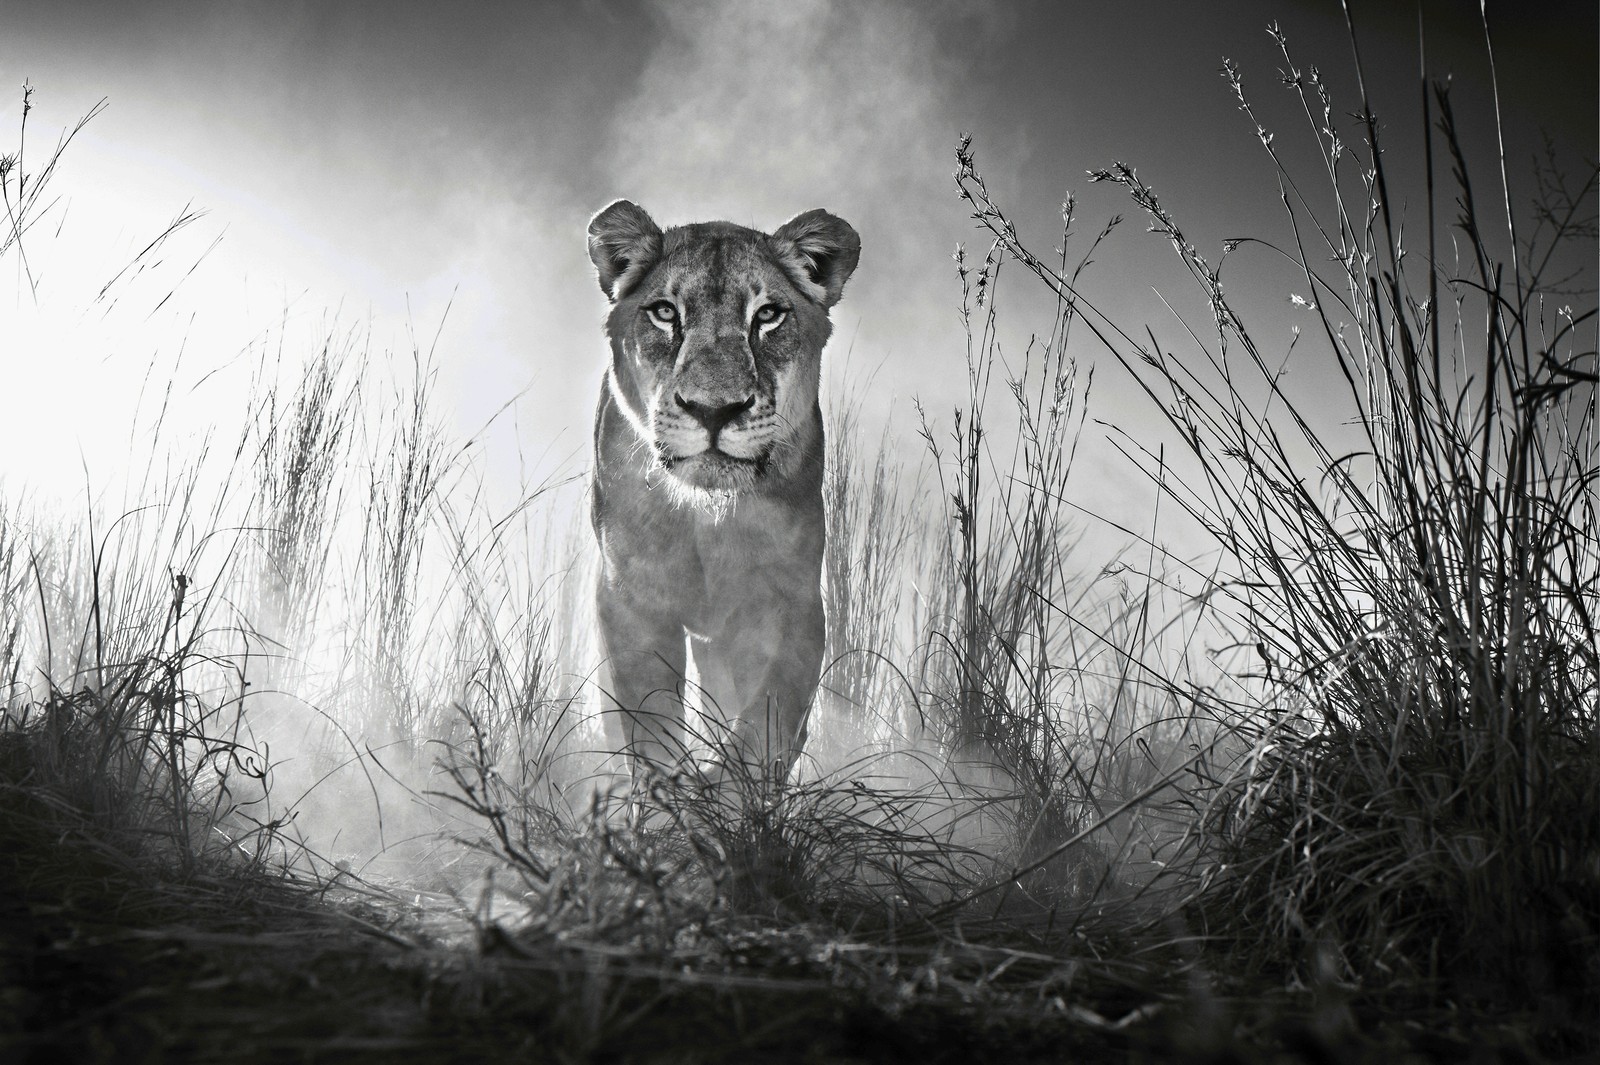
(770,312)
(663,311)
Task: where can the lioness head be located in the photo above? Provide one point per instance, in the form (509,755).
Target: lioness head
(716,336)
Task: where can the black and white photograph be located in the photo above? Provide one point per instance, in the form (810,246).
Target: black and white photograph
(658,532)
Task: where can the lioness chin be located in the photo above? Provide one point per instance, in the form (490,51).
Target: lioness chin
(707,499)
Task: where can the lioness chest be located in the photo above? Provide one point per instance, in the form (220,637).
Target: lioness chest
(690,564)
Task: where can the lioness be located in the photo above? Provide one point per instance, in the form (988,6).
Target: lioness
(707,498)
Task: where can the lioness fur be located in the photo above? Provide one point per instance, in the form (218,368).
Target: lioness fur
(707,497)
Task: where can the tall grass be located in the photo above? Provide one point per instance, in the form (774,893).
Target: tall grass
(876,524)
(1418,708)
(120,709)
(275,621)
(300,435)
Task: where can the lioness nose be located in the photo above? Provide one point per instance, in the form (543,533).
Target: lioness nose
(714,415)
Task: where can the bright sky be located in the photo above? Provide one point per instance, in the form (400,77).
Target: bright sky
(370,162)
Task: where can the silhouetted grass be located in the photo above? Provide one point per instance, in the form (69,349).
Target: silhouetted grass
(1415,576)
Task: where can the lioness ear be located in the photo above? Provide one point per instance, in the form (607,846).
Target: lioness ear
(624,242)
(819,251)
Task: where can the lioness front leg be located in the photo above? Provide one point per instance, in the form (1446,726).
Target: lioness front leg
(761,672)
(644,663)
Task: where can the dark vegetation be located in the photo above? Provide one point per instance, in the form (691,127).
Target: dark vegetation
(1333,803)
